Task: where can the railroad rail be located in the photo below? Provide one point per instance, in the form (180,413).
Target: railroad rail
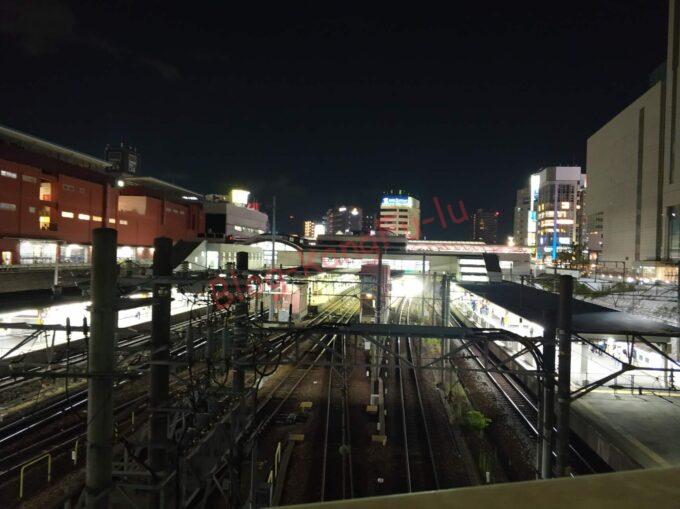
(525,407)
(420,463)
(39,424)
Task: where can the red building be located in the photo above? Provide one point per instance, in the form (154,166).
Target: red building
(51,195)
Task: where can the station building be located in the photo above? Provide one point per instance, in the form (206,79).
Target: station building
(633,204)
(52,197)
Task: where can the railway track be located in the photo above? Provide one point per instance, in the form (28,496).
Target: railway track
(69,436)
(420,463)
(337,476)
(523,404)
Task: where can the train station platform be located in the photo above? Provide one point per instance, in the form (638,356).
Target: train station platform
(631,420)
(656,488)
(637,430)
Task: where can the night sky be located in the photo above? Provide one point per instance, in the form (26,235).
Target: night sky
(325,103)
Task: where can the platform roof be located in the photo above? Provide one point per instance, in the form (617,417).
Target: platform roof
(162,189)
(531,303)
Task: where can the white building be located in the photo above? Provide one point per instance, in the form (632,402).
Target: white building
(557,196)
(400,214)
(633,204)
(233,216)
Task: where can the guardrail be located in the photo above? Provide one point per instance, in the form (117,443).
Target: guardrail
(44,266)
(47,456)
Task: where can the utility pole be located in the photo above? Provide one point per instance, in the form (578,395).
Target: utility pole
(98,473)
(564,372)
(56,287)
(378,293)
(160,357)
(445,300)
(548,394)
(271,274)
(239,340)
(434,295)
(422,298)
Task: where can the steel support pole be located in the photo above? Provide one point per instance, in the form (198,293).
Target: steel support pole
(160,356)
(548,395)
(272,313)
(56,287)
(239,341)
(434,296)
(540,417)
(422,297)
(378,301)
(98,473)
(564,372)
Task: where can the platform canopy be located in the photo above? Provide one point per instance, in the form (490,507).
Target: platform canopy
(588,318)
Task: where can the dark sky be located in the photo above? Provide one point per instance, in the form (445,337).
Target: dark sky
(325,103)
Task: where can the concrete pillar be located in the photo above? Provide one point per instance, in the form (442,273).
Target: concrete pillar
(98,472)
(564,372)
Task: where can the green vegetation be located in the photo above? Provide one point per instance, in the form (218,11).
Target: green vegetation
(477,421)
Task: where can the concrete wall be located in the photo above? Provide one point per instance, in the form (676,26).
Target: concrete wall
(622,154)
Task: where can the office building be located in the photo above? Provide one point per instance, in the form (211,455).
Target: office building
(557,195)
(485,226)
(369,225)
(312,229)
(233,216)
(344,220)
(400,215)
(633,161)
(521,217)
(308,229)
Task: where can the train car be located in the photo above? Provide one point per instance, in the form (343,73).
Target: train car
(368,296)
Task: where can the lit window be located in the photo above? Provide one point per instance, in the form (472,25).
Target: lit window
(8,206)
(123,222)
(31,210)
(112,221)
(98,219)
(84,217)
(67,214)
(8,174)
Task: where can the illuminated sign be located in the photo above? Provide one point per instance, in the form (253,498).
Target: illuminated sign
(397,201)
(239,196)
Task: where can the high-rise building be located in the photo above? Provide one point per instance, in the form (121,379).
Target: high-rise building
(633,162)
(308,229)
(312,229)
(343,220)
(557,200)
(400,214)
(485,226)
(369,224)
(521,217)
